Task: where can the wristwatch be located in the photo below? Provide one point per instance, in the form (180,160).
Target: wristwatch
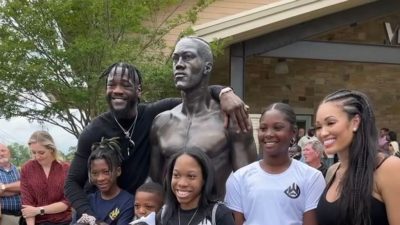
(41,211)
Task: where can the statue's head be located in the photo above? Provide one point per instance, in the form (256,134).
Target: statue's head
(192,62)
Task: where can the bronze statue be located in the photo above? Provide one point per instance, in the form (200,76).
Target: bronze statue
(198,120)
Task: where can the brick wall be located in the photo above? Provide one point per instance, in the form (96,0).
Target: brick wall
(308,81)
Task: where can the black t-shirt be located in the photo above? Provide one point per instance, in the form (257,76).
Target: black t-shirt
(223,216)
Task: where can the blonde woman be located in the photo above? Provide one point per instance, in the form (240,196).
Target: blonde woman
(42,183)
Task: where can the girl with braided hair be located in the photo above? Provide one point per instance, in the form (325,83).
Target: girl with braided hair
(111,204)
(364,186)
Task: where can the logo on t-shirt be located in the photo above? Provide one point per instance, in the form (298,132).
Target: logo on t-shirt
(293,191)
(205,222)
(114,214)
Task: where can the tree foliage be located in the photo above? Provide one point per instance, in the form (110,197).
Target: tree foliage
(53,51)
(70,154)
(19,154)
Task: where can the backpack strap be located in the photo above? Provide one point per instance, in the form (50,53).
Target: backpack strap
(161,214)
(214,212)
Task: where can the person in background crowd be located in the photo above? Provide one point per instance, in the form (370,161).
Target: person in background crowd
(295,152)
(364,188)
(394,148)
(190,185)
(383,139)
(313,153)
(300,133)
(42,182)
(393,144)
(391,136)
(149,198)
(276,189)
(310,136)
(130,121)
(9,189)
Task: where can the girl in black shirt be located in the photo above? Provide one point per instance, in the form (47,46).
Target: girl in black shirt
(190,187)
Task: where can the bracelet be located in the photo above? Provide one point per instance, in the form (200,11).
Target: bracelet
(224,91)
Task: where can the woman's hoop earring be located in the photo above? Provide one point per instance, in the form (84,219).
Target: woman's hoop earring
(293,141)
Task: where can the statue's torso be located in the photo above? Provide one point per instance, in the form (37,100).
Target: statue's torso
(206,132)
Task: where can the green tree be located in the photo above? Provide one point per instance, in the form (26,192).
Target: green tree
(19,154)
(52,53)
(71,152)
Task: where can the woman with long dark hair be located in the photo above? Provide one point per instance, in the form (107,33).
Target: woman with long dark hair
(365,185)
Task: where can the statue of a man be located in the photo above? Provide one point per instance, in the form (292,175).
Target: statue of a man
(198,120)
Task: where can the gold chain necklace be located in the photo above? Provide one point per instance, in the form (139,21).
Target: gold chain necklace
(179,216)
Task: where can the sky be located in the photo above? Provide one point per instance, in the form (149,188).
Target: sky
(20,129)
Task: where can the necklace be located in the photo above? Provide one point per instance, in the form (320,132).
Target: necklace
(179,216)
(128,133)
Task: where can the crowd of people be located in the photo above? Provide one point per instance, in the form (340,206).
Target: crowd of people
(208,173)
(388,142)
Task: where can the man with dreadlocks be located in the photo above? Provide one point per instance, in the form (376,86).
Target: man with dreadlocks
(198,121)
(130,121)
(110,203)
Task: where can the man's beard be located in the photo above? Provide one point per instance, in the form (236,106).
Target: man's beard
(126,112)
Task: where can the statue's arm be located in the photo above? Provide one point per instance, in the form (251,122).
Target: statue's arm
(157,161)
(244,149)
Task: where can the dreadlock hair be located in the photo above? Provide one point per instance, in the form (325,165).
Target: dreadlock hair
(110,151)
(357,183)
(127,70)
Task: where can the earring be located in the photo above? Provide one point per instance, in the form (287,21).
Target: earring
(293,141)
(354,129)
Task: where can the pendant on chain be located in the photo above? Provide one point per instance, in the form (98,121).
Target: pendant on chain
(128,133)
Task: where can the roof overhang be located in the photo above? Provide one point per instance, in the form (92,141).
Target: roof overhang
(271,17)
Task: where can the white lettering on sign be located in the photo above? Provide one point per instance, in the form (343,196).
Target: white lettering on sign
(392,34)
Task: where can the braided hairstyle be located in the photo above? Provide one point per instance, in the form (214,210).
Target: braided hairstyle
(127,70)
(357,184)
(110,151)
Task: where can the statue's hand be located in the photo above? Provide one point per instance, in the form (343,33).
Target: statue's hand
(235,109)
